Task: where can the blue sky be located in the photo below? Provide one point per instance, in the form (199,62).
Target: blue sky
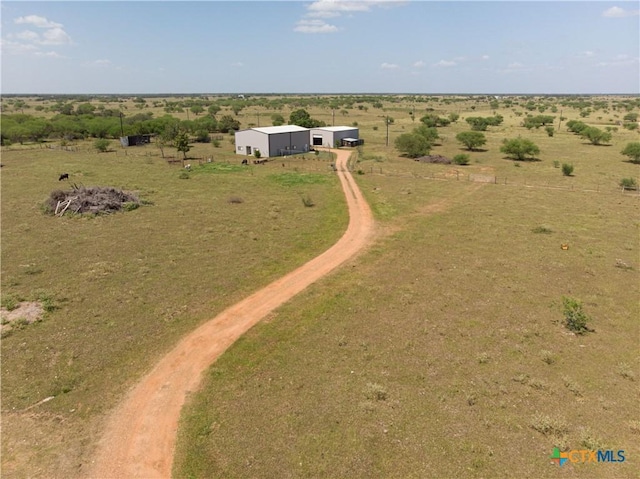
(326,46)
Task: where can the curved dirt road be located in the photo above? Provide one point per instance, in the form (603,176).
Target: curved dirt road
(140,436)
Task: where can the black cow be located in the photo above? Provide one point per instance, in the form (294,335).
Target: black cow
(64,176)
(245,162)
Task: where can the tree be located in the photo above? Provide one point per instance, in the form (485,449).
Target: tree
(519,148)
(477,123)
(277,119)
(632,150)
(430,133)
(595,135)
(228,123)
(431,120)
(413,145)
(471,139)
(196,109)
(302,118)
(181,143)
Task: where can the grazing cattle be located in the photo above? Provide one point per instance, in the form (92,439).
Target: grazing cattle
(187,166)
(245,162)
(64,176)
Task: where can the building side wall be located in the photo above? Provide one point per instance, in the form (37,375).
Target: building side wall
(253,139)
(297,141)
(340,135)
(329,137)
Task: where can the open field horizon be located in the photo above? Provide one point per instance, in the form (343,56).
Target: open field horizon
(438,352)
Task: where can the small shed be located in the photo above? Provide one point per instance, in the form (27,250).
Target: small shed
(272,141)
(352,142)
(330,136)
(134,140)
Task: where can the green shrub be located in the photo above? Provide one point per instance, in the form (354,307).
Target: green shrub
(461,159)
(102,145)
(556,164)
(307,201)
(575,318)
(9,302)
(628,183)
(567,169)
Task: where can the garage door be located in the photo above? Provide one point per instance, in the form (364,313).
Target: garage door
(317,140)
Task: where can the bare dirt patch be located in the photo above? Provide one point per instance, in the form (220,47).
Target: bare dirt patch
(27,312)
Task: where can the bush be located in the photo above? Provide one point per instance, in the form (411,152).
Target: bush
(575,318)
(461,159)
(307,201)
(632,150)
(102,145)
(549,130)
(628,183)
(567,169)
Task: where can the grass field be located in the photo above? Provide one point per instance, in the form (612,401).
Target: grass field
(440,352)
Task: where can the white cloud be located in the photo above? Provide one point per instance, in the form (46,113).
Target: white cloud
(586,54)
(314,26)
(37,21)
(485,57)
(55,36)
(419,64)
(338,7)
(101,62)
(620,60)
(445,63)
(617,12)
(50,54)
(389,66)
(16,48)
(29,41)
(26,35)
(237,64)
(335,8)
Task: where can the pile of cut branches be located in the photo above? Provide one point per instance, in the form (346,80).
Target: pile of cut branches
(443,160)
(93,200)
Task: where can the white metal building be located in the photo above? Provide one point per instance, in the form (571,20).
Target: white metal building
(327,136)
(273,141)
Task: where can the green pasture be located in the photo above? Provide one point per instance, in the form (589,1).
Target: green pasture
(438,352)
(126,287)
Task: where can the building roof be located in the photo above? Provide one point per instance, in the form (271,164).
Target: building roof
(270,130)
(336,128)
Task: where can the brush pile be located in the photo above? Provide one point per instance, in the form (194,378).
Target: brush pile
(443,160)
(92,200)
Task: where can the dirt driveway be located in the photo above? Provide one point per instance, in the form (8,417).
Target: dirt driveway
(140,436)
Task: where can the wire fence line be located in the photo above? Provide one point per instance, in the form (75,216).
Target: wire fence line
(456,175)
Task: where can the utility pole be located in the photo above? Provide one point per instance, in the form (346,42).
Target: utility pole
(386,120)
(333,117)
(121,127)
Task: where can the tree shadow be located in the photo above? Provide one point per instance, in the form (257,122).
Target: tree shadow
(522,160)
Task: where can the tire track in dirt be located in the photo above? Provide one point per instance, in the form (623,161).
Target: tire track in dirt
(140,436)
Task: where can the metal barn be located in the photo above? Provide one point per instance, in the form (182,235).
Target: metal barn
(329,136)
(272,141)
